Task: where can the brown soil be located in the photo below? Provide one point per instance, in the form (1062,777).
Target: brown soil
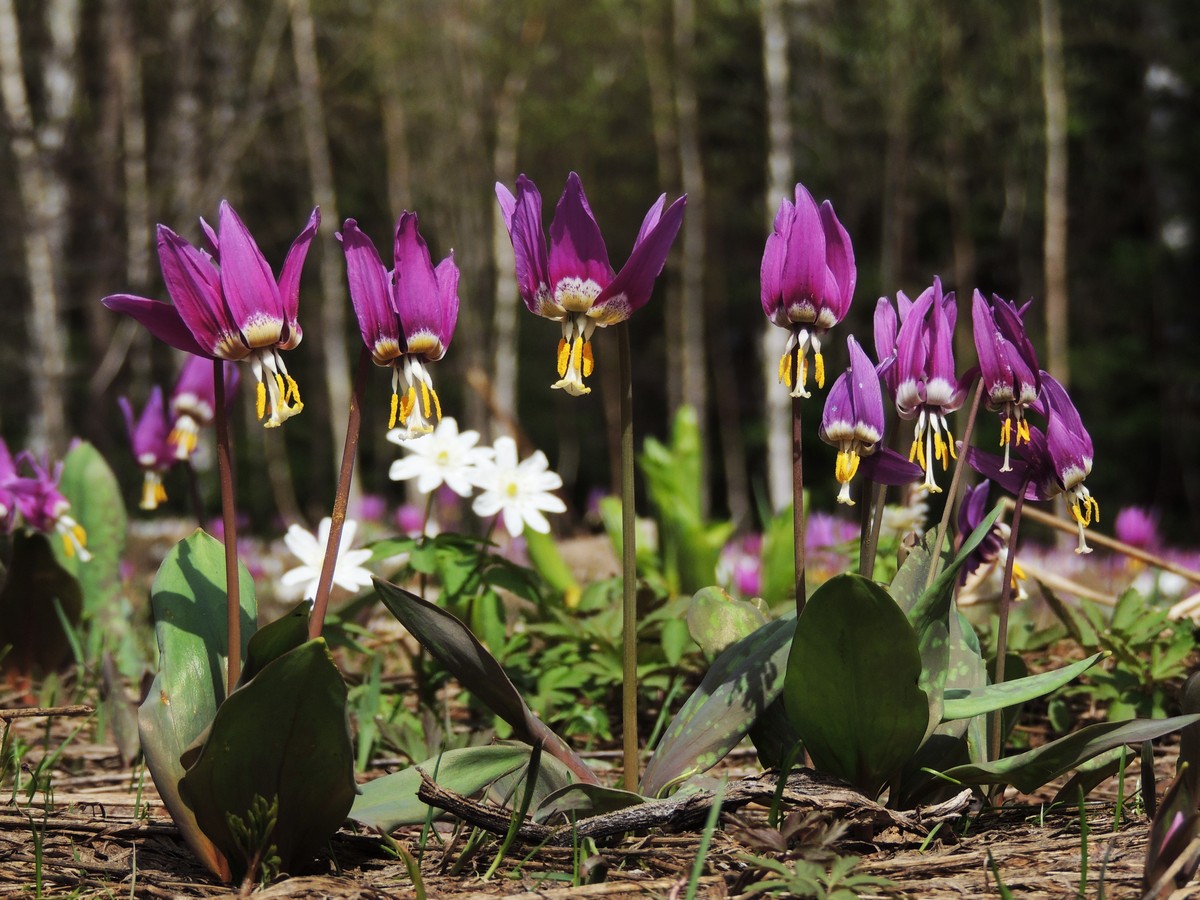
(98,830)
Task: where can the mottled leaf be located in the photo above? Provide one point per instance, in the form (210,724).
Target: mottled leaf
(715,620)
(965,703)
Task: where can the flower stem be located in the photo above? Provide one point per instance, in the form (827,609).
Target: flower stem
(871,522)
(233,600)
(935,563)
(798,523)
(194,489)
(628,567)
(1002,626)
(338,518)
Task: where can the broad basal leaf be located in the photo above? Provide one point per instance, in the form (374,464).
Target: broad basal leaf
(965,703)
(851,687)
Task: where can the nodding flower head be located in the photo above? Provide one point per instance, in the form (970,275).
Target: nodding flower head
(853,421)
(1008,366)
(229,305)
(194,401)
(807,275)
(574,283)
(406,317)
(153,452)
(43,507)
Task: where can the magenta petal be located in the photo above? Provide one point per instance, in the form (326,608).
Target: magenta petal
(885,329)
(523,216)
(289,277)
(804,265)
(370,293)
(631,288)
(864,388)
(248,283)
(886,466)
(447,279)
(839,255)
(161,319)
(195,288)
(651,219)
(771,276)
(418,300)
(576,245)
(989,465)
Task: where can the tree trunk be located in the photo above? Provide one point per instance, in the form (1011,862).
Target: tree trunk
(780,183)
(333,294)
(1055,242)
(688,326)
(43,201)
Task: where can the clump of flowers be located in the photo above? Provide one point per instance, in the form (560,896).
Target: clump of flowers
(35,501)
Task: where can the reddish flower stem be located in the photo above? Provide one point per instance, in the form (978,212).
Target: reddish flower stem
(233,601)
(798,523)
(316,621)
(1002,626)
(935,564)
(628,568)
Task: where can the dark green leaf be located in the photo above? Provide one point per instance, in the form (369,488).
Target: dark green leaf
(963,704)
(272,641)
(1030,770)
(741,683)
(851,687)
(188,598)
(282,737)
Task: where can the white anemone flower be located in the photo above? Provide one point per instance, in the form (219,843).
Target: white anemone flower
(442,457)
(521,492)
(348,572)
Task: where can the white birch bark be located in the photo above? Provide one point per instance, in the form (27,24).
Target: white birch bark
(1055,239)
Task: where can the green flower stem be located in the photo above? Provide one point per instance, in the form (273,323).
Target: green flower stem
(338,518)
(935,563)
(798,523)
(1005,602)
(871,522)
(233,604)
(628,568)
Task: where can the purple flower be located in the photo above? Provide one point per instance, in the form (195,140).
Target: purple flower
(230,306)
(43,507)
(1138,527)
(574,283)
(926,388)
(807,276)
(406,317)
(1053,463)
(972,511)
(740,565)
(8,478)
(853,422)
(151,449)
(193,402)
(1008,365)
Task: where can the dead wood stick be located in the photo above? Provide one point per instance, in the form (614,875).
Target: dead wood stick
(1103,540)
(29,712)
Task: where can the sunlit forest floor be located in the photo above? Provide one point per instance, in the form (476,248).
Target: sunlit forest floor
(79,822)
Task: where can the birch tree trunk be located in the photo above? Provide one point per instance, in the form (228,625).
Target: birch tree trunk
(780,183)
(897,197)
(688,323)
(320,167)
(1055,241)
(43,201)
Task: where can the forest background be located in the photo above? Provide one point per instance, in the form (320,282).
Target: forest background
(1043,149)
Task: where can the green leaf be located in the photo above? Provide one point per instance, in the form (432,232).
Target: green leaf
(715,620)
(740,684)
(188,599)
(585,800)
(391,801)
(28,621)
(453,645)
(851,687)
(97,505)
(779,559)
(282,737)
(272,641)
(963,704)
(1030,770)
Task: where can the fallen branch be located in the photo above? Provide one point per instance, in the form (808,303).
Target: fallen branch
(29,712)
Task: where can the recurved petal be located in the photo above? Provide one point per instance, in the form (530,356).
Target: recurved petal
(523,216)
(839,256)
(886,466)
(447,280)
(418,300)
(991,466)
(576,246)
(804,267)
(631,288)
(651,219)
(248,283)
(161,319)
(289,279)
(371,295)
(885,328)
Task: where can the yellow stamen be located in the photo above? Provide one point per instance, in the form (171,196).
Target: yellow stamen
(1022,432)
(785,369)
(950,444)
(293,393)
(426,403)
(395,409)
(184,442)
(820,360)
(846,466)
(564,357)
(437,404)
(406,405)
(1018,574)
(260,400)
(589,363)
(68,547)
(577,354)
(1006,431)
